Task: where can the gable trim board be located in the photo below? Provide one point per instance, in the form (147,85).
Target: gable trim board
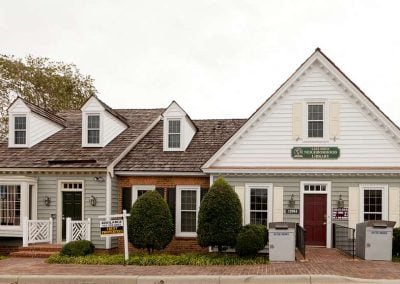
(342,82)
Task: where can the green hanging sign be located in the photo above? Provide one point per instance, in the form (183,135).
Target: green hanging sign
(316,153)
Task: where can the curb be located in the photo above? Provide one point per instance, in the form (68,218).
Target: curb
(181,279)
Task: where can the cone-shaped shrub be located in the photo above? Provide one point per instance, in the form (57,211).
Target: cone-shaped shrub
(150,225)
(220,216)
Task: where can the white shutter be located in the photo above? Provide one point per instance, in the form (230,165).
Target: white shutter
(334,121)
(354,206)
(297,120)
(277,212)
(240,192)
(394,204)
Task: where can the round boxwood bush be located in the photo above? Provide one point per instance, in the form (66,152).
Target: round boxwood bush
(220,216)
(77,248)
(251,239)
(396,242)
(150,225)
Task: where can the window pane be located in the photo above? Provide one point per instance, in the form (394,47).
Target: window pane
(315,129)
(371,216)
(10,205)
(20,137)
(20,122)
(188,221)
(372,205)
(94,121)
(315,112)
(140,192)
(258,218)
(93,136)
(174,126)
(174,140)
(188,200)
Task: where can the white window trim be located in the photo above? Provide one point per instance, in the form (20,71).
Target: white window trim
(23,182)
(85,130)
(328,191)
(166,132)
(135,189)
(60,203)
(179,189)
(12,130)
(323,139)
(385,199)
(270,210)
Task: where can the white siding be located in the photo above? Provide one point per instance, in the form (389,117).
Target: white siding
(188,130)
(112,127)
(269,142)
(41,128)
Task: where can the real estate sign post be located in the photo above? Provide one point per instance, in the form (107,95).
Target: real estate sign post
(116,228)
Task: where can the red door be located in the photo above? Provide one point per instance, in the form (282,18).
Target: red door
(315,219)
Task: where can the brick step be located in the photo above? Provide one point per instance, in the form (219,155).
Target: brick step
(42,248)
(35,254)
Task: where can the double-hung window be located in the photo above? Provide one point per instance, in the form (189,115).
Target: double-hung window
(373,202)
(315,115)
(20,130)
(259,204)
(174,133)
(139,190)
(187,209)
(10,205)
(93,129)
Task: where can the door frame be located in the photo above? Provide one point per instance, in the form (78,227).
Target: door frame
(60,203)
(328,205)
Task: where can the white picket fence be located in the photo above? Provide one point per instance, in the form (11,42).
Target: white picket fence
(37,231)
(77,230)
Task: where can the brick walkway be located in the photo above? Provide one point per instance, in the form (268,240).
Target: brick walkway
(321,261)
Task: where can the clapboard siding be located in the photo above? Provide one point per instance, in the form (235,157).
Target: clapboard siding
(291,185)
(269,141)
(48,186)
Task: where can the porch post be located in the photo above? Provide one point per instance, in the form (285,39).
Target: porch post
(50,230)
(68,230)
(89,229)
(25,231)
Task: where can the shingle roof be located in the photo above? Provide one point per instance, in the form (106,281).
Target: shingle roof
(148,154)
(64,149)
(42,112)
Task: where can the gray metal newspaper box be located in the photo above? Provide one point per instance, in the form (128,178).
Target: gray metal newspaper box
(374,240)
(282,241)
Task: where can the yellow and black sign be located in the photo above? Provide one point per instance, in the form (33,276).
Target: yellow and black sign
(112,228)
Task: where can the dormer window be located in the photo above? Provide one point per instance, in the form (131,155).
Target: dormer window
(93,129)
(174,133)
(20,130)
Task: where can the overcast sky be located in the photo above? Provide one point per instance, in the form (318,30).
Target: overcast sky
(217,59)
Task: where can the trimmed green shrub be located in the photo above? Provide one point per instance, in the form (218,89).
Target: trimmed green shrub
(220,216)
(396,242)
(251,239)
(77,248)
(150,225)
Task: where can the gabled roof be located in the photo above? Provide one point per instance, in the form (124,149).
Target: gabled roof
(42,112)
(348,86)
(174,103)
(109,109)
(64,149)
(148,154)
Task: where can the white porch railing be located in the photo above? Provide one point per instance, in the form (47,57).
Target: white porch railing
(37,231)
(77,230)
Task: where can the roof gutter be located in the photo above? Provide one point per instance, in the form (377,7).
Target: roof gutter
(159,173)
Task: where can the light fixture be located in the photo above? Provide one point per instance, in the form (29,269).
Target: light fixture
(47,201)
(99,179)
(292,202)
(92,200)
(340,203)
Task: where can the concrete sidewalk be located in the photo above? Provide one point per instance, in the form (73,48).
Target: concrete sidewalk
(198,279)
